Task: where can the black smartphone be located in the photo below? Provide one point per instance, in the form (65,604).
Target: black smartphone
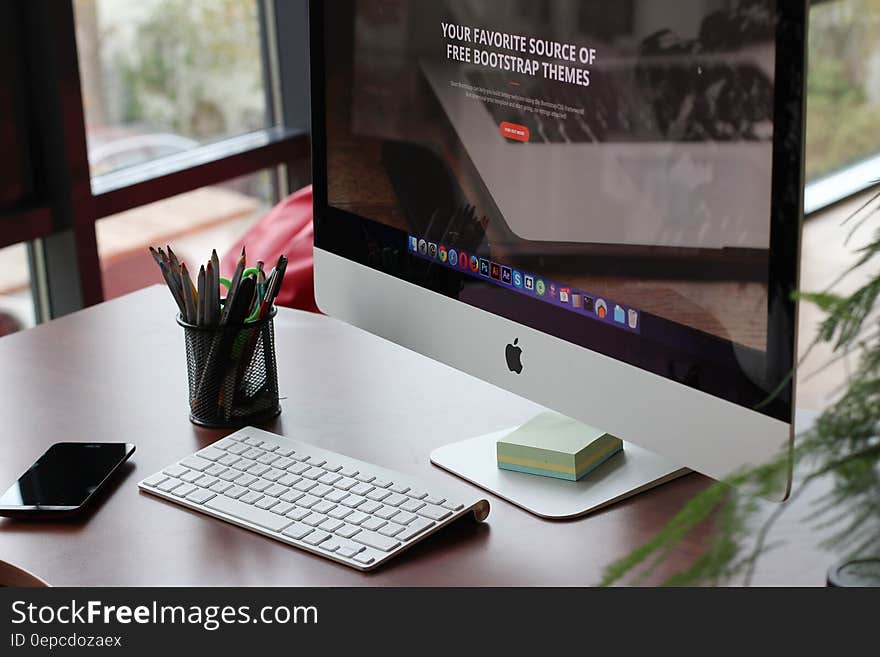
(64,479)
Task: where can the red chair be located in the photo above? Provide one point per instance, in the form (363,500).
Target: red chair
(286,230)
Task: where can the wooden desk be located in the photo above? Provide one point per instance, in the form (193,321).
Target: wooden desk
(117,373)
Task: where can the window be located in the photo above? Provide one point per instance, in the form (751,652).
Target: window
(160,77)
(16,302)
(193,223)
(843,102)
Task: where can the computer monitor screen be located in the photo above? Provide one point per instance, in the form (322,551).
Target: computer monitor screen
(624,175)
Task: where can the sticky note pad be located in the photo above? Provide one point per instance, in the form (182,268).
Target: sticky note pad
(553,445)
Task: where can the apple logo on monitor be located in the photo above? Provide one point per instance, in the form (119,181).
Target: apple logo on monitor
(514,357)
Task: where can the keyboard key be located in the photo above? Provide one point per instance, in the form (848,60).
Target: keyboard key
(229,475)
(437,501)
(238,449)
(196,463)
(315,519)
(268,458)
(237,509)
(269,446)
(405,518)
(349,472)
(258,470)
(285,451)
(260,485)
(211,454)
(244,464)
(305,485)
(282,508)
(366,557)
(298,514)
(155,480)
(221,487)
(453,506)
(414,529)
(386,512)
(176,471)
(274,474)
(376,541)
(347,530)
(216,470)
(289,480)
(298,531)
(229,460)
(332,467)
(253,454)
(354,501)
(169,485)
(283,463)
(266,503)
(391,530)
(191,476)
(235,492)
(313,473)
(316,537)
(374,523)
(331,525)
(225,443)
(245,480)
(251,497)
(276,490)
(370,506)
(378,494)
(308,501)
(299,456)
(330,545)
(395,499)
(340,512)
(365,478)
(360,489)
(321,490)
(292,496)
(412,506)
(417,494)
(207,482)
(184,490)
(316,461)
(253,442)
(434,512)
(346,483)
(298,468)
(381,483)
(357,518)
(329,478)
(398,488)
(336,496)
(323,507)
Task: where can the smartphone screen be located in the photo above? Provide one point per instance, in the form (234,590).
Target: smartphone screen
(66,475)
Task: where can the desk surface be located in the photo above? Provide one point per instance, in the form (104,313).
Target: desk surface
(117,373)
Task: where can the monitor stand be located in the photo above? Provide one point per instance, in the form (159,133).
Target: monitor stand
(633,471)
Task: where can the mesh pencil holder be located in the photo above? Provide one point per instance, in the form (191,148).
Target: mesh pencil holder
(233,374)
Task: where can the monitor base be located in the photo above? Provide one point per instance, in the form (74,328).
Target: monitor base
(633,471)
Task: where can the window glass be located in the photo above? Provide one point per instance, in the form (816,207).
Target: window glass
(163,76)
(193,223)
(843,104)
(16,301)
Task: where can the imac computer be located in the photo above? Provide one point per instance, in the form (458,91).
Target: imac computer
(594,204)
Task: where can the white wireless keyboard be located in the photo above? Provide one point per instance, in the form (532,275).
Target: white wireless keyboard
(356,513)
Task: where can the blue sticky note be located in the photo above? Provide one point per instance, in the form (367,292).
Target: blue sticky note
(619,315)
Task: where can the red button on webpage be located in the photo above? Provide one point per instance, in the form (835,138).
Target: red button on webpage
(515,131)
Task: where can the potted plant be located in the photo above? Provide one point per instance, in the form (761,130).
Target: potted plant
(843,446)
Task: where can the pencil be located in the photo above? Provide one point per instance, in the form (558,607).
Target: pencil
(202,305)
(233,288)
(211,295)
(215,289)
(172,285)
(188,295)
